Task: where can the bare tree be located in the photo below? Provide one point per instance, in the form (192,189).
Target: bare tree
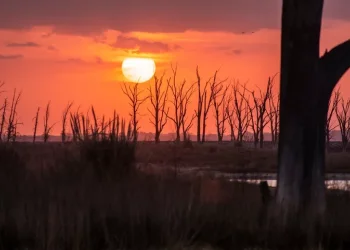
(220,104)
(12,122)
(239,114)
(254,119)
(258,113)
(208,96)
(36,120)
(342,112)
(231,118)
(186,121)
(159,112)
(3,119)
(135,101)
(47,127)
(64,121)
(273,116)
(334,101)
(200,106)
(180,100)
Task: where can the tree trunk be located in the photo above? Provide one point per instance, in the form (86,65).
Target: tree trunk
(178,138)
(261,132)
(203,128)
(307,82)
(157,137)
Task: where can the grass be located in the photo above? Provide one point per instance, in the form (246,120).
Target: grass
(91,196)
(226,157)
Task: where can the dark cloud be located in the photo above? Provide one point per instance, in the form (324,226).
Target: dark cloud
(226,49)
(235,52)
(10,57)
(94,16)
(26,44)
(140,46)
(47,35)
(52,48)
(83,62)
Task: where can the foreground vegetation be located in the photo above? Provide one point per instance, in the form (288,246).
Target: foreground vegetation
(90,195)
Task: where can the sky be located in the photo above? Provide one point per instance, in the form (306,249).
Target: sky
(72,50)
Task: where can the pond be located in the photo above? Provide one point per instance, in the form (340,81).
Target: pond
(333,180)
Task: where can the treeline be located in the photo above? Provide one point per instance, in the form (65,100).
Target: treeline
(236,109)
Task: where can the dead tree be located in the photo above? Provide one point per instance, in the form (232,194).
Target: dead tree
(239,111)
(180,98)
(231,118)
(64,121)
(254,120)
(186,121)
(135,101)
(208,96)
(176,90)
(47,127)
(273,117)
(159,112)
(199,110)
(220,104)
(331,110)
(342,112)
(258,113)
(36,120)
(12,121)
(3,119)
(307,82)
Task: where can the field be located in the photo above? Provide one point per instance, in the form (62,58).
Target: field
(115,195)
(216,156)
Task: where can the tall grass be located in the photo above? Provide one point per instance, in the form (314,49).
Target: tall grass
(78,202)
(89,195)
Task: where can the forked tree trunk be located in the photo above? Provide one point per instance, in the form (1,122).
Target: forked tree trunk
(307,82)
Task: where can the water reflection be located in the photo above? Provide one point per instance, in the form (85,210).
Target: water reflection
(330,184)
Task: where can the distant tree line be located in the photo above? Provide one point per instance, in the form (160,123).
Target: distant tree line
(236,109)
(242,113)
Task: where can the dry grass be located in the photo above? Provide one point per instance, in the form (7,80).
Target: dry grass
(54,197)
(225,157)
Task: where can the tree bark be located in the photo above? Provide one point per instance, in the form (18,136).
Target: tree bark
(307,82)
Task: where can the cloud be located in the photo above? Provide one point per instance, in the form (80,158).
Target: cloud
(52,48)
(91,17)
(226,49)
(140,46)
(10,57)
(47,35)
(26,44)
(85,62)
(235,52)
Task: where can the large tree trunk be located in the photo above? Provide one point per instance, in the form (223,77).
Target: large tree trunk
(307,82)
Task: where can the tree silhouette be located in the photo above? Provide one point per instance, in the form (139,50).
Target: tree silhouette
(307,82)
(134,95)
(159,112)
(332,108)
(180,99)
(342,112)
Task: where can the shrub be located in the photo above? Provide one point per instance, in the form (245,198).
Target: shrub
(109,158)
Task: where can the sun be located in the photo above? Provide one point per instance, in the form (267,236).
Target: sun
(138,70)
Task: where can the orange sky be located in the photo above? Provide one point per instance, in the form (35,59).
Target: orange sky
(52,64)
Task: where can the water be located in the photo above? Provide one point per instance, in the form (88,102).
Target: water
(333,180)
(330,184)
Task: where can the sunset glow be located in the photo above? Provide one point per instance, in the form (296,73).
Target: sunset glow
(51,60)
